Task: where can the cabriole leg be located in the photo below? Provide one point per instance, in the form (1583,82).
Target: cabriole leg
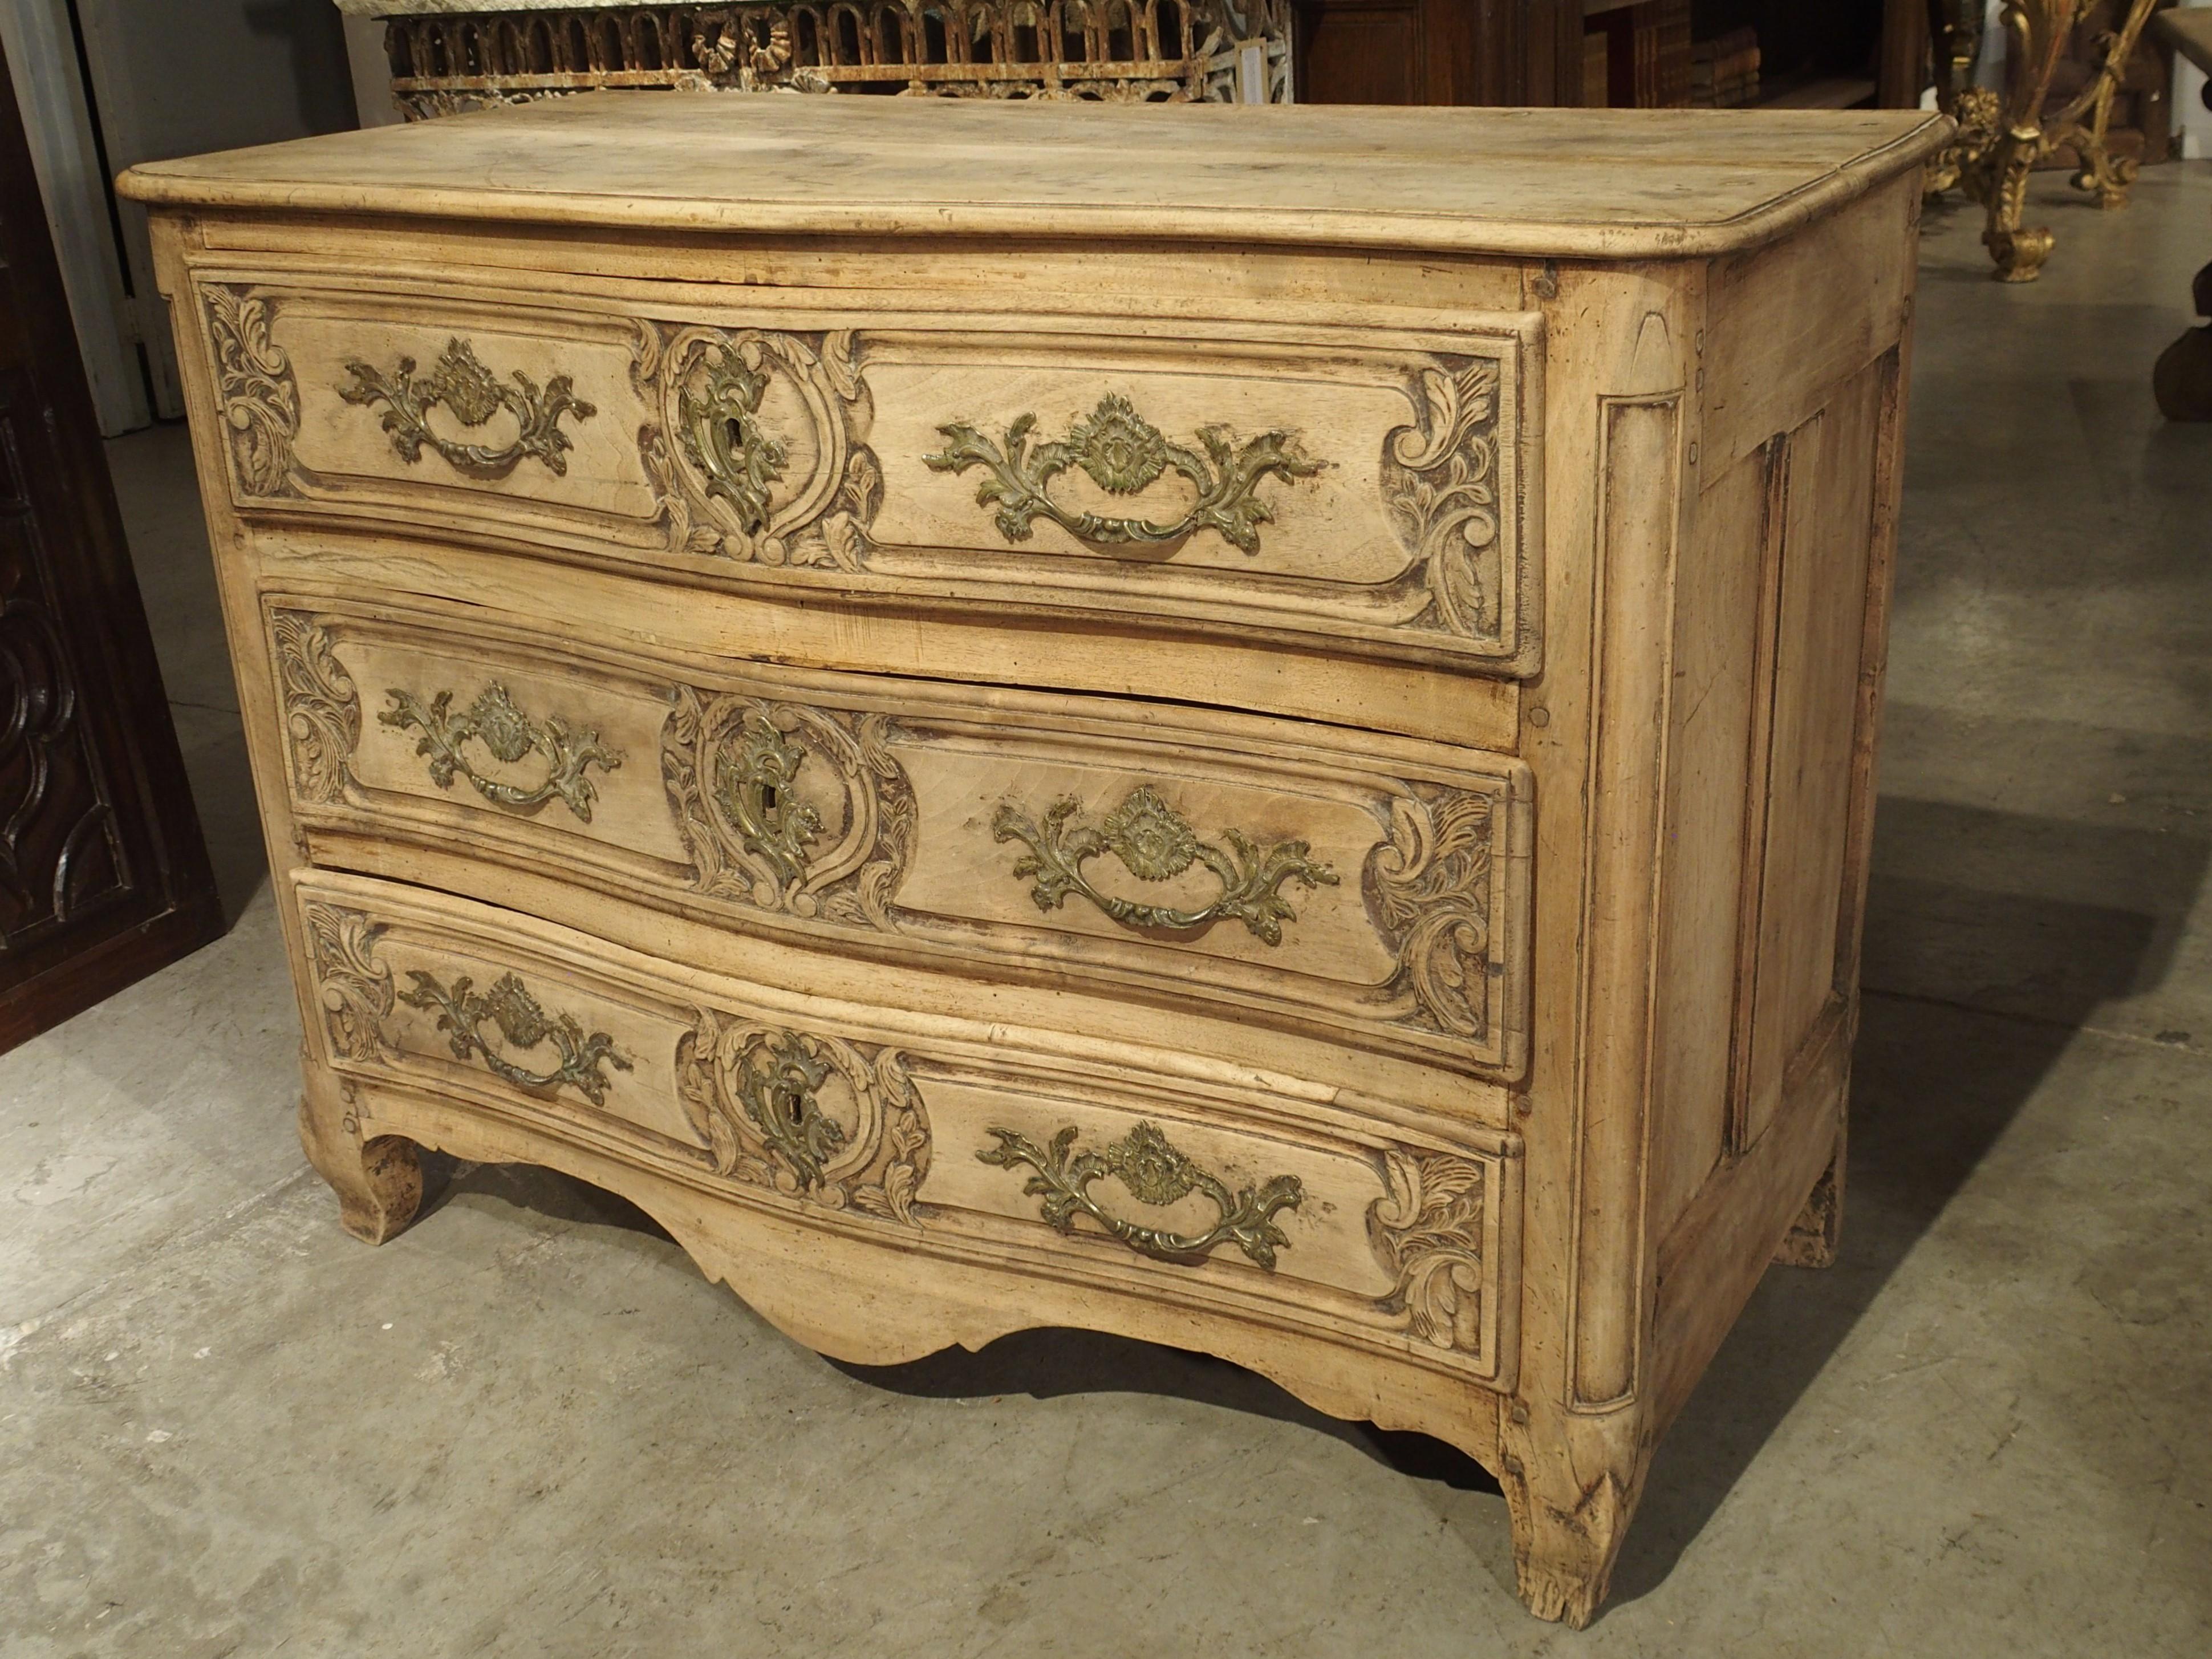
(379,1182)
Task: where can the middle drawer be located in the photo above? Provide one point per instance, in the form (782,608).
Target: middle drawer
(1371,888)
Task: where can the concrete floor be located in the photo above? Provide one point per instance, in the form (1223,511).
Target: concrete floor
(529,1428)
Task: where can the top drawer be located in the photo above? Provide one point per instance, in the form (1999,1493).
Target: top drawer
(1369,490)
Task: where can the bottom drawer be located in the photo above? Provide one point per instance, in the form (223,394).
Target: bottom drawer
(1153,1174)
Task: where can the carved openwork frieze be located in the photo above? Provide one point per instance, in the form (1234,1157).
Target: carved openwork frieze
(255,387)
(744,776)
(760,453)
(837,1123)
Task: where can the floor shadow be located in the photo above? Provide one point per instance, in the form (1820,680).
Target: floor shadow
(1972,995)
(1049,1363)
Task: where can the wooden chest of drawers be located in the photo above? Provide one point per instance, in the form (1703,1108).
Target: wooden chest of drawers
(1248,727)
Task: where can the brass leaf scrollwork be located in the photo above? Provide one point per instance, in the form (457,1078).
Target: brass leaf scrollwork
(734,768)
(1154,842)
(1441,481)
(570,751)
(761,1096)
(757,454)
(1123,453)
(1155,1172)
(473,394)
(1427,1232)
(523,1023)
(322,709)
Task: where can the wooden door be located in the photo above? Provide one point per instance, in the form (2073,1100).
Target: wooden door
(103,876)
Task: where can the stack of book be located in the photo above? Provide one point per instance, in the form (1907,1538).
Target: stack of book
(1724,71)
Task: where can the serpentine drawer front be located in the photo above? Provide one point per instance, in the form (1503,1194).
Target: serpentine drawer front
(1371,487)
(984,1145)
(1378,888)
(1250,728)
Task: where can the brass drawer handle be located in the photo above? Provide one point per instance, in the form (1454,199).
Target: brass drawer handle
(524,1023)
(1155,842)
(494,721)
(1155,1172)
(1124,454)
(474,395)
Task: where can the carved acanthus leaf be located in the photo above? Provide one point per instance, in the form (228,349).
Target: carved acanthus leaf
(254,383)
(1429,883)
(1440,478)
(322,709)
(354,988)
(1427,1232)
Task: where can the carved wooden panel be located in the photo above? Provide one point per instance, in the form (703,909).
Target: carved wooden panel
(1371,488)
(1377,887)
(1208,1194)
(102,874)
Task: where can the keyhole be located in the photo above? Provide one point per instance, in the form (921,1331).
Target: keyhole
(768,797)
(794,1108)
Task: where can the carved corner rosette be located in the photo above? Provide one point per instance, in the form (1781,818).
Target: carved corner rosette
(1428,886)
(322,708)
(1154,1172)
(1440,479)
(523,1023)
(1155,844)
(788,808)
(759,454)
(494,719)
(256,391)
(472,394)
(1124,454)
(354,988)
(812,1117)
(1427,1231)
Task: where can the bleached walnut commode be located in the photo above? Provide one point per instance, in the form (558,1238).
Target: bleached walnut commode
(1250,727)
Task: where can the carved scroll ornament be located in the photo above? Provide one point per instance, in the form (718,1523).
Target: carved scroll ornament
(322,710)
(1155,1172)
(256,389)
(472,394)
(1154,842)
(1427,1233)
(570,751)
(354,988)
(1429,882)
(1124,454)
(759,1095)
(1440,478)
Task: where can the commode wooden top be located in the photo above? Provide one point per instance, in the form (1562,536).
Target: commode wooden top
(1577,184)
